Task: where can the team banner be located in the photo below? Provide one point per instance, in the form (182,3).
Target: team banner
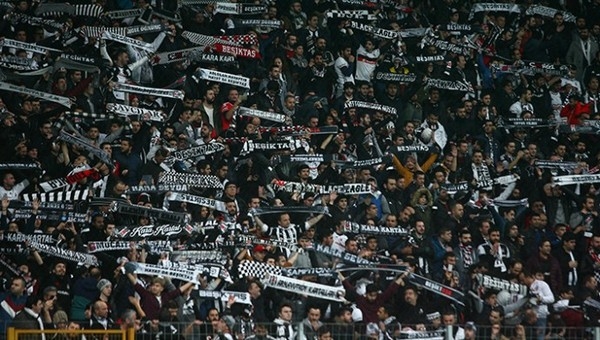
(437,288)
(450,85)
(370,106)
(136,189)
(274,117)
(164,231)
(67,254)
(64,101)
(257,23)
(444,45)
(549,12)
(159,214)
(195,180)
(305,288)
(575,179)
(150,91)
(198,200)
(345,256)
(144,114)
(396,77)
(491,282)
(376,31)
(222,77)
(19,45)
(494,7)
(351,14)
(80,142)
(357,228)
(239,9)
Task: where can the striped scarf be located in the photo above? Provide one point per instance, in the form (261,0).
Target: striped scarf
(467,254)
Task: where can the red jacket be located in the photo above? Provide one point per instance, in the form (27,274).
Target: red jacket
(574,112)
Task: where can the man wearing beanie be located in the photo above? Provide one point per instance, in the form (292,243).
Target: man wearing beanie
(567,259)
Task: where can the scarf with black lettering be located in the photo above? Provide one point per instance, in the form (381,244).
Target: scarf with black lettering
(251,146)
(159,214)
(304,287)
(370,106)
(52,215)
(82,143)
(67,254)
(257,23)
(396,77)
(195,180)
(222,77)
(193,152)
(576,179)
(198,200)
(451,85)
(64,101)
(549,12)
(150,91)
(429,40)
(351,14)
(19,166)
(494,7)
(143,114)
(239,9)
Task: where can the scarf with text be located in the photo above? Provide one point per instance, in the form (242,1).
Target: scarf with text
(429,58)
(351,14)
(193,152)
(243,240)
(515,122)
(48,24)
(159,214)
(237,51)
(67,254)
(43,205)
(491,282)
(271,23)
(396,77)
(17,63)
(453,188)
(299,130)
(451,85)
(531,68)
(347,189)
(156,188)
(82,143)
(376,31)
(198,200)
(366,162)
(198,256)
(274,117)
(251,146)
(225,78)
(183,274)
(437,288)
(549,12)
(460,28)
(195,180)
(444,45)
(165,231)
(19,45)
(345,256)
(494,7)
(304,287)
(98,31)
(19,166)
(155,247)
(150,91)
(357,228)
(203,40)
(52,215)
(129,41)
(369,106)
(64,101)
(126,13)
(575,179)
(143,114)
(317,209)
(555,165)
(239,9)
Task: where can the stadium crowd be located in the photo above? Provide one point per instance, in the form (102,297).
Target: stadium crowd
(315,169)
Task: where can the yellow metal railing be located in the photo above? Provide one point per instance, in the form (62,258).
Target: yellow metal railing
(16,334)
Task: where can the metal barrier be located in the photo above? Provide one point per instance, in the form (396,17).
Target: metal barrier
(17,334)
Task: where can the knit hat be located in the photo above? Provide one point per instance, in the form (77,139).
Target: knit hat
(103,284)
(229,321)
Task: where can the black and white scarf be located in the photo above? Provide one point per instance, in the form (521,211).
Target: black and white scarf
(222,77)
(143,114)
(376,31)
(150,91)
(370,106)
(274,117)
(165,231)
(64,101)
(58,196)
(195,180)
(272,23)
(67,254)
(396,77)
(494,7)
(351,14)
(239,9)
(198,200)
(304,287)
(575,179)
(159,214)
(157,188)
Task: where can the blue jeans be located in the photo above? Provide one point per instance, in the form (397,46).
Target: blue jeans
(540,328)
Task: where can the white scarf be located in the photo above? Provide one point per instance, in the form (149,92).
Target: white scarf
(37,318)
(586,50)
